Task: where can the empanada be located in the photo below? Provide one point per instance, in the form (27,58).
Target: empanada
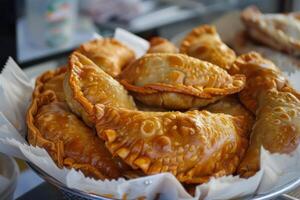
(86,84)
(279,31)
(51,80)
(277,129)
(205,43)
(67,139)
(230,105)
(161,45)
(109,54)
(193,146)
(177,81)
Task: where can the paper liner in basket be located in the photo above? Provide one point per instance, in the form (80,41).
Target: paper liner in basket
(15,93)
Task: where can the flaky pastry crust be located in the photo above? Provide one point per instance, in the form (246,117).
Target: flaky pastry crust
(161,45)
(279,31)
(51,125)
(177,81)
(109,54)
(86,84)
(277,129)
(193,146)
(204,42)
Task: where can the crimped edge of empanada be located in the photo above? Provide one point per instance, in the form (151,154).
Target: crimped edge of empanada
(46,76)
(206,93)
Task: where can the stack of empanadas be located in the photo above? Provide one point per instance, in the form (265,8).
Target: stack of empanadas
(190,114)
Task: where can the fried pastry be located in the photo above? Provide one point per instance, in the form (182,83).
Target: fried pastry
(279,31)
(67,139)
(193,146)
(261,74)
(109,54)
(230,105)
(51,80)
(205,43)
(277,129)
(86,84)
(177,81)
(161,45)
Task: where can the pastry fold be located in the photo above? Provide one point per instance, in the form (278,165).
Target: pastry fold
(279,31)
(109,54)
(67,139)
(177,81)
(86,84)
(204,42)
(51,80)
(161,45)
(193,146)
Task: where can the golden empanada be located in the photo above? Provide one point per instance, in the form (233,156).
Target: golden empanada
(86,84)
(277,129)
(67,139)
(109,54)
(279,31)
(205,43)
(161,45)
(230,105)
(51,80)
(177,81)
(193,146)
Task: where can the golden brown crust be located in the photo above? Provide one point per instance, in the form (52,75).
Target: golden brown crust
(86,85)
(193,146)
(231,105)
(161,45)
(109,54)
(279,31)
(277,129)
(261,74)
(51,80)
(178,81)
(204,42)
(51,125)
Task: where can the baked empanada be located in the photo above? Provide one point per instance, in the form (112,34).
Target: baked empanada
(205,43)
(279,31)
(161,45)
(177,81)
(86,84)
(109,54)
(193,146)
(51,80)
(230,105)
(277,129)
(67,139)
(261,74)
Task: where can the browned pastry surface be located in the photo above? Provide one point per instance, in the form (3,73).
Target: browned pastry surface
(276,106)
(86,85)
(177,81)
(279,31)
(161,45)
(204,42)
(231,105)
(51,80)
(109,54)
(68,140)
(277,129)
(193,146)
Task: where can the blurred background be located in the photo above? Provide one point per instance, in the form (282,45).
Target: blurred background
(35,31)
(39,34)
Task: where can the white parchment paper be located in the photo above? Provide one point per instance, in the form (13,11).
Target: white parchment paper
(15,93)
